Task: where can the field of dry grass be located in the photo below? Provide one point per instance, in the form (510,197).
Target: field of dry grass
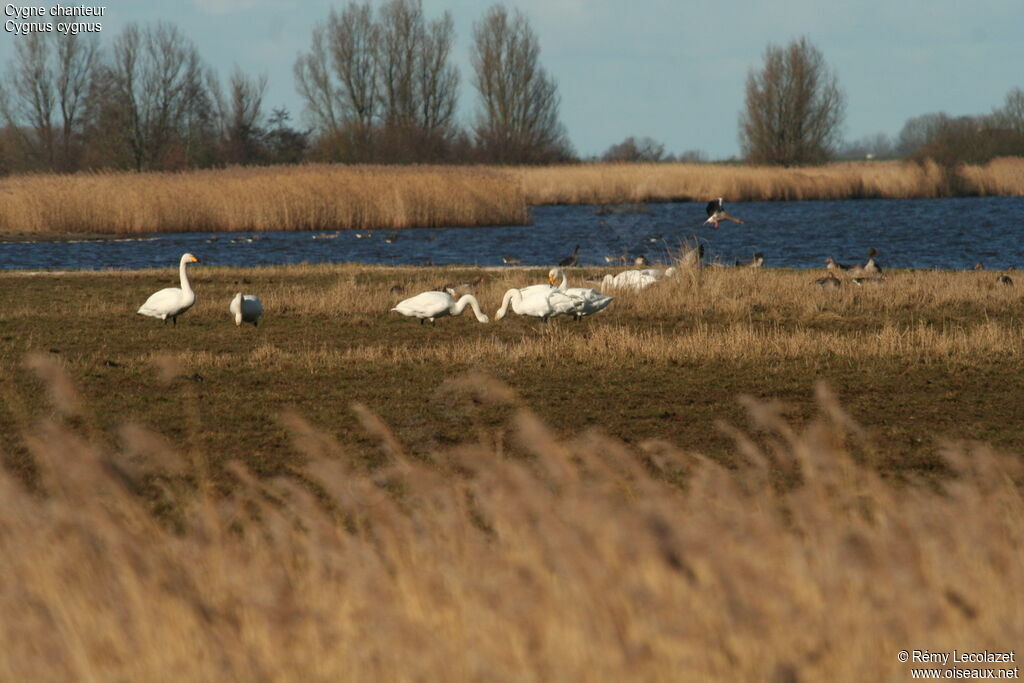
(329,197)
(666,490)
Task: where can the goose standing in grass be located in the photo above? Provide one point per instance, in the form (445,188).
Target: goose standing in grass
(1004,280)
(756,262)
(571,261)
(865,281)
(247,308)
(172,301)
(869,269)
(831,264)
(588,301)
(830,281)
(432,305)
(717,213)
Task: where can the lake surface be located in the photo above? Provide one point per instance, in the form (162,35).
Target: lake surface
(908,233)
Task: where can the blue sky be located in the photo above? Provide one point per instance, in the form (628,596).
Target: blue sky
(674,71)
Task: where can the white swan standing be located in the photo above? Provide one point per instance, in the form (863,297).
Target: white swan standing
(537,301)
(588,301)
(246,308)
(173,301)
(431,305)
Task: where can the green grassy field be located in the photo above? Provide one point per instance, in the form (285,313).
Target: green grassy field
(732,475)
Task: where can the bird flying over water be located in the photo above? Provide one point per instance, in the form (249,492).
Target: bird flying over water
(717,213)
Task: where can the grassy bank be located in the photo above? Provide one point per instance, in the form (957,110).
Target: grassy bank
(330,197)
(661,491)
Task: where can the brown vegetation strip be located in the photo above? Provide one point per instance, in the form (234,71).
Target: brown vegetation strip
(329,197)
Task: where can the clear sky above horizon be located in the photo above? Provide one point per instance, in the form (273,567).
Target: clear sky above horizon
(673,71)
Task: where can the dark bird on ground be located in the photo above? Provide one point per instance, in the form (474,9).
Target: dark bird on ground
(756,262)
(510,260)
(830,281)
(716,214)
(570,261)
(864,281)
(1004,280)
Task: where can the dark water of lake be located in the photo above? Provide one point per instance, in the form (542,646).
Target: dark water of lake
(914,233)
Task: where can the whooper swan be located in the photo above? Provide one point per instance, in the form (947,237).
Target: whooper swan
(587,301)
(173,301)
(246,308)
(431,305)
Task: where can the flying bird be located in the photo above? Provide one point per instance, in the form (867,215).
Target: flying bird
(717,213)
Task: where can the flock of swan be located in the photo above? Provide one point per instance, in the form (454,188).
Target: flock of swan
(171,302)
(543,301)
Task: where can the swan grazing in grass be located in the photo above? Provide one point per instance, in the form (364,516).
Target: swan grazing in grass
(431,305)
(588,301)
(537,301)
(173,301)
(246,308)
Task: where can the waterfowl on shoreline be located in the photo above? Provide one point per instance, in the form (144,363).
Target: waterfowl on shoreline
(510,260)
(870,268)
(717,213)
(831,264)
(756,262)
(1004,280)
(570,261)
(172,301)
(433,305)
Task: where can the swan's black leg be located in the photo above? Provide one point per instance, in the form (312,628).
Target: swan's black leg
(422,320)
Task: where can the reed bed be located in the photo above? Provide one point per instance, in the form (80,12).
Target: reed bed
(333,197)
(307,197)
(630,183)
(578,558)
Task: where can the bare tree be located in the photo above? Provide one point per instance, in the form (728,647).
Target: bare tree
(637,150)
(242,117)
(48,84)
(794,108)
(382,87)
(159,91)
(518,117)
(1011,115)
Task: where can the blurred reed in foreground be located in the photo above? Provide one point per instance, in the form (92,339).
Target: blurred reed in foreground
(579,559)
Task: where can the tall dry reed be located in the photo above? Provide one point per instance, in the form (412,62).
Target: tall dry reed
(627,183)
(307,197)
(579,559)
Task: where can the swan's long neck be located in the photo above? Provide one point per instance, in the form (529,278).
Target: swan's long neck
(458,307)
(564,284)
(185,286)
(505,301)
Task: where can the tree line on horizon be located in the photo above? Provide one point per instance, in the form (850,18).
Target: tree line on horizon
(378,86)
